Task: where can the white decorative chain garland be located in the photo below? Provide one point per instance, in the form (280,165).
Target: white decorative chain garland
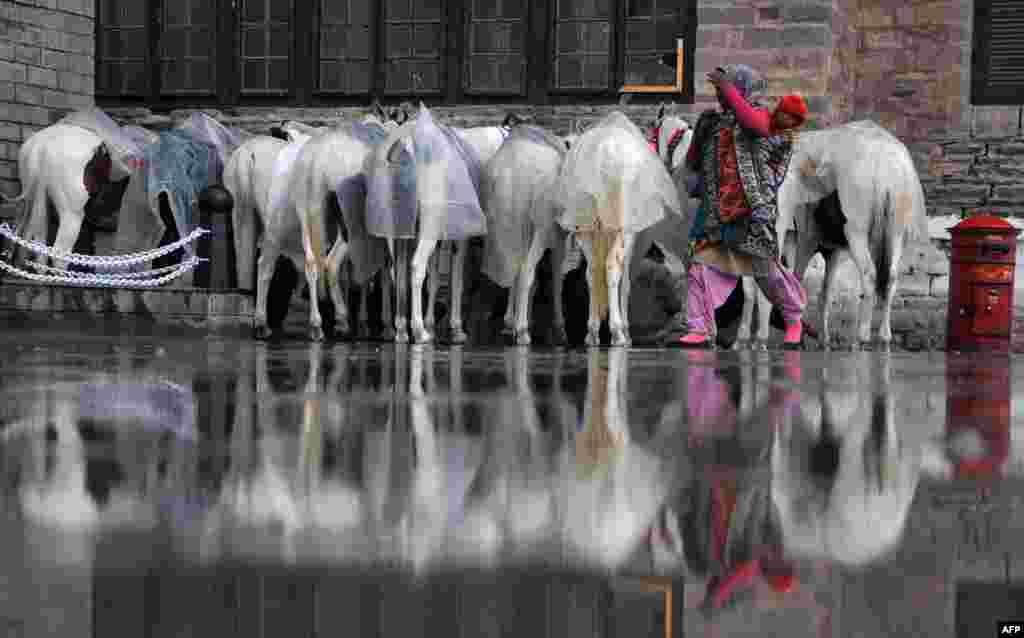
(128,280)
(141,274)
(102,262)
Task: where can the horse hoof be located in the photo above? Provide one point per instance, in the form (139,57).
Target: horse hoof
(316,333)
(558,336)
(459,337)
(263,333)
(401,336)
(741,344)
(523,338)
(592,340)
(423,336)
(342,329)
(759,346)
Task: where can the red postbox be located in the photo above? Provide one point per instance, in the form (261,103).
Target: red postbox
(981,274)
(978,410)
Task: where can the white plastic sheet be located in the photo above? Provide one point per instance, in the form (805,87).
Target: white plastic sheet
(517,199)
(423,181)
(611,178)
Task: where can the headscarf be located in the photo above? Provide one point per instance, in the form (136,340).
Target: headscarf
(748,82)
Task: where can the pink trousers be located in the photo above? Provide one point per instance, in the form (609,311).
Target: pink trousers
(709,288)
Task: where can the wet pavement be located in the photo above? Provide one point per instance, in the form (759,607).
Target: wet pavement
(221,487)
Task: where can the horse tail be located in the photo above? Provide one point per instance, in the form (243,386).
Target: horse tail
(603,243)
(600,246)
(883,263)
(316,213)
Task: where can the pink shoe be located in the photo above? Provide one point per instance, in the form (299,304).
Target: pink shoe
(794,337)
(692,340)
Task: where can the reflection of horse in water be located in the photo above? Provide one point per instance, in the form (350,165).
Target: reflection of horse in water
(69,490)
(843,477)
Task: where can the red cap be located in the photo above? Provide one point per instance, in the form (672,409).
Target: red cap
(793,105)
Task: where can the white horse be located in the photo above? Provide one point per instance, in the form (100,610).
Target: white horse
(441,173)
(881,207)
(305,174)
(612,189)
(521,222)
(54,165)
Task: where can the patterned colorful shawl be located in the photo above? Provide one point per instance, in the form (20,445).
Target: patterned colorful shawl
(742,173)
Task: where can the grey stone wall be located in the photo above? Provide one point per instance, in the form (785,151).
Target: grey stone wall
(46,68)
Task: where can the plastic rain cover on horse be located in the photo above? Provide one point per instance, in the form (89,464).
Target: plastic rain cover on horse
(517,198)
(126,145)
(613,182)
(203,128)
(365,254)
(429,169)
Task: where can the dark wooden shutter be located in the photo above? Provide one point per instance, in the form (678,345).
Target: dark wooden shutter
(266,46)
(495,60)
(998,58)
(414,37)
(187,53)
(583,37)
(346,46)
(122,49)
(652,27)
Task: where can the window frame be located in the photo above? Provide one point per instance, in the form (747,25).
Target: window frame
(539,42)
(982,94)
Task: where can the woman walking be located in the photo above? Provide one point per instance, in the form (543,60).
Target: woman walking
(740,156)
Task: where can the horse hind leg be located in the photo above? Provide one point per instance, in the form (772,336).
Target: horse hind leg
(387,291)
(400,253)
(860,251)
(524,288)
(764,321)
(264,276)
(832,263)
(424,249)
(457,283)
(746,314)
(332,272)
(558,253)
(626,243)
(434,285)
(593,337)
(70,215)
(887,284)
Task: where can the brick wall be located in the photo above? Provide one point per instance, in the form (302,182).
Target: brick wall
(46,68)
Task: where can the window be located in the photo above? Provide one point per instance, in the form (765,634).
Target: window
(997,66)
(175,53)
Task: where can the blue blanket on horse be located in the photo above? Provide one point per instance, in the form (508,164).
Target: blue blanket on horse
(181,167)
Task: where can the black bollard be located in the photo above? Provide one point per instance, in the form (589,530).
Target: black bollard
(215,204)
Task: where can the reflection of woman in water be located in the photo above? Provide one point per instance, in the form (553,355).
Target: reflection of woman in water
(727,528)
